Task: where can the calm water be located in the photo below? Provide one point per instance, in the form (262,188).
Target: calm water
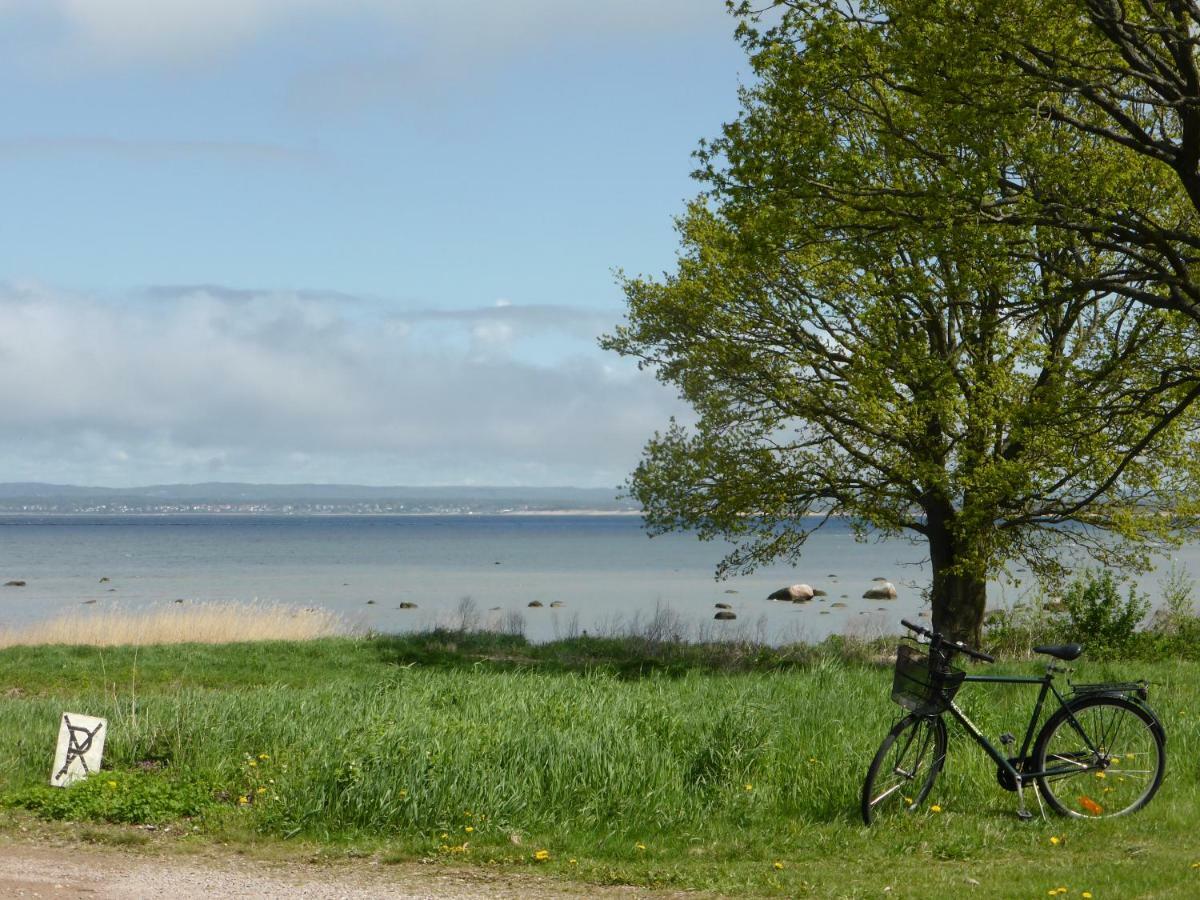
(603,568)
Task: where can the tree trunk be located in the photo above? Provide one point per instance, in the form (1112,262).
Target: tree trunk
(959,591)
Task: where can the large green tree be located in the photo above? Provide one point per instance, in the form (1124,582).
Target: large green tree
(864,331)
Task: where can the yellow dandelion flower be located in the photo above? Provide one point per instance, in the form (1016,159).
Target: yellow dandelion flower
(812,759)
(1196,865)
(261,790)
(542,855)
(243,800)
(469,829)
(640,846)
(1086,895)
(444,835)
(112,784)
(778,864)
(748,786)
(1101,775)
(1055,840)
(935,808)
(253,762)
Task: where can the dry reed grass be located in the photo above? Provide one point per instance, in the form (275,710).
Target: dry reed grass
(206,623)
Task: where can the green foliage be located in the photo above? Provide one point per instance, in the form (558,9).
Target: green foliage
(1095,612)
(125,797)
(716,774)
(858,338)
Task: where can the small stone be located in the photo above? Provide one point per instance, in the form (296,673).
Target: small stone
(817,592)
(730,591)
(557,604)
(725,615)
(370,603)
(534,604)
(14,583)
(723,606)
(105,580)
(837,605)
(407,604)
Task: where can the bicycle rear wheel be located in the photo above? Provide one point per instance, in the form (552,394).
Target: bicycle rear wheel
(904,769)
(1110,764)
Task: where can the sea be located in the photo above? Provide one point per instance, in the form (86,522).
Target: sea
(602,572)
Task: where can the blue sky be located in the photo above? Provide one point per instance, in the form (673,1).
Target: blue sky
(363,240)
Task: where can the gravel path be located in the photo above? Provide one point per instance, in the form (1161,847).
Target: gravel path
(73,870)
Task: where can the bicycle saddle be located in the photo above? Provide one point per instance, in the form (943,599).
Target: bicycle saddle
(1061,651)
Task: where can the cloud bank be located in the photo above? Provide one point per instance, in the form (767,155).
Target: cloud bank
(167,32)
(195,383)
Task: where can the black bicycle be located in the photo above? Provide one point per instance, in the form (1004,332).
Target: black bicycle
(1102,753)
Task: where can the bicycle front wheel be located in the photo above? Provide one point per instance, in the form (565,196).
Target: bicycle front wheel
(1102,757)
(905,767)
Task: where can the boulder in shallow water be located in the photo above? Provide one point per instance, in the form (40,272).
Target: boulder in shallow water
(817,592)
(407,604)
(105,580)
(723,606)
(534,604)
(725,615)
(14,583)
(883,590)
(838,605)
(557,604)
(796,593)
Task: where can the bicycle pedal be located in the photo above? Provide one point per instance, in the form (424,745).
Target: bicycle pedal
(1024,815)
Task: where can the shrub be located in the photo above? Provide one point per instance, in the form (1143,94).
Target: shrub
(1093,611)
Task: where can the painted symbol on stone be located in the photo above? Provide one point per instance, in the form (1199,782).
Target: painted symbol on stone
(80,748)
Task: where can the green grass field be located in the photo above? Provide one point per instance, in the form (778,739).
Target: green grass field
(730,772)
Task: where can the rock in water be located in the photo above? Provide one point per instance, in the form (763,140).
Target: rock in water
(407,604)
(725,615)
(14,583)
(797,593)
(534,604)
(557,604)
(723,606)
(817,592)
(883,590)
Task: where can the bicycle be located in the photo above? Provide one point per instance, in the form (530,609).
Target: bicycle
(1101,754)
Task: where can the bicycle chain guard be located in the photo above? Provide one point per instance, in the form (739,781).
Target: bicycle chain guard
(1005,777)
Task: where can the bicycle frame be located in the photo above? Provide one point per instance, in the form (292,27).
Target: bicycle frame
(1047,687)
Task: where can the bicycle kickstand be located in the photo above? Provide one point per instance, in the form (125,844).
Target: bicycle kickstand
(1022,812)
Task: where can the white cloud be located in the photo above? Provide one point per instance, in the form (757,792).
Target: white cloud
(309,387)
(174,31)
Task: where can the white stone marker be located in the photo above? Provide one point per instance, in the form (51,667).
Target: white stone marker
(80,747)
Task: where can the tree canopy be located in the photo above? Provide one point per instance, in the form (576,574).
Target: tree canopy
(871,319)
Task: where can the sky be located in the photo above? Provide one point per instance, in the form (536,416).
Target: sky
(355,241)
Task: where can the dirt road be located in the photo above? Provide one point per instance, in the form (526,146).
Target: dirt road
(30,870)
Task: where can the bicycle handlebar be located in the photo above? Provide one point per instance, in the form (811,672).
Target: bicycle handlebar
(956,645)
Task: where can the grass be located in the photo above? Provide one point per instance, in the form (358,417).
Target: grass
(731,769)
(207,623)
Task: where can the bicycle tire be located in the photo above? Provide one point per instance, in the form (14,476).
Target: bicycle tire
(919,742)
(1103,783)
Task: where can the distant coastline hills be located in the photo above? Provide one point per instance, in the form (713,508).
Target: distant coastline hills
(305,499)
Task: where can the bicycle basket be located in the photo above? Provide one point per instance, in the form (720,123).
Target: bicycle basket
(919,687)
